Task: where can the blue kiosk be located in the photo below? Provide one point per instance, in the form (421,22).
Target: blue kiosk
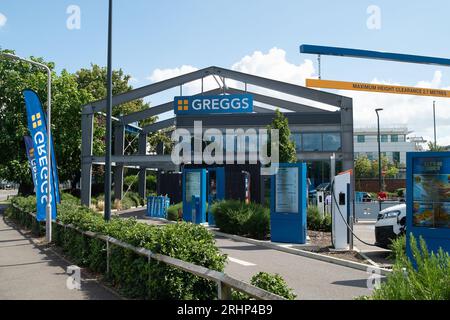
(194,195)
(288,204)
(428,199)
(202,186)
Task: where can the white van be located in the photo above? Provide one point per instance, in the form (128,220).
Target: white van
(391,223)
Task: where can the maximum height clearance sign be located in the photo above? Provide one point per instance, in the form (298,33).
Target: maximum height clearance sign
(381,88)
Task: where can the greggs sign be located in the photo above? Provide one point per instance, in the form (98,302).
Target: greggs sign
(233,103)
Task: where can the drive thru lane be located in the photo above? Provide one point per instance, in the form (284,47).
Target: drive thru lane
(310,278)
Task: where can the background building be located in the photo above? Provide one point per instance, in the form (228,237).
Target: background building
(395,143)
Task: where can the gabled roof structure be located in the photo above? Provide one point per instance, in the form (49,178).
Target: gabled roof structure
(264,103)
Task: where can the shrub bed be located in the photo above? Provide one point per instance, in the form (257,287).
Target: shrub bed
(130,273)
(270,282)
(427,277)
(237,217)
(315,221)
(172,211)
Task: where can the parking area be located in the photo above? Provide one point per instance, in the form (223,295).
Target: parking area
(4,194)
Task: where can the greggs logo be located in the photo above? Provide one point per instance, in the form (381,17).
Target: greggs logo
(36,120)
(233,103)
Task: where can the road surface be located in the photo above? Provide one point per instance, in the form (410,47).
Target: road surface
(310,278)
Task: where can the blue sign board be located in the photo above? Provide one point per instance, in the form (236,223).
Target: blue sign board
(233,103)
(288,204)
(428,199)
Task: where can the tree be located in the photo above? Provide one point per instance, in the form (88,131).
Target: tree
(363,167)
(287,151)
(435,147)
(15,76)
(69,93)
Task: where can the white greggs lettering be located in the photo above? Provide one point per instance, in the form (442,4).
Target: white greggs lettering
(42,160)
(222,103)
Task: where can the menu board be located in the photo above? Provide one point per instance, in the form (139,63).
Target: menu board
(193,180)
(431,192)
(286,190)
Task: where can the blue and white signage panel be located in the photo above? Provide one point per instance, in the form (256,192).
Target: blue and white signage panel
(288,204)
(428,198)
(233,103)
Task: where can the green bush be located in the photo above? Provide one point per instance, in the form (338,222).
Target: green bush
(315,221)
(67,197)
(425,278)
(398,248)
(150,183)
(273,283)
(26,220)
(131,182)
(237,217)
(172,211)
(133,275)
(401,192)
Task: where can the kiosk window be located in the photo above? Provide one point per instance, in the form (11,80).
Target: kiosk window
(431,193)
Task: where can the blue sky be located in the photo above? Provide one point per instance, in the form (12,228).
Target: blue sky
(151,35)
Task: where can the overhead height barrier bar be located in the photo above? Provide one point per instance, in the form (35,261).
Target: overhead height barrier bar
(377,55)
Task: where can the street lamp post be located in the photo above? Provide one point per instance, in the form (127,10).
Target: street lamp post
(108,120)
(380,187)
(434,123)
(48,208)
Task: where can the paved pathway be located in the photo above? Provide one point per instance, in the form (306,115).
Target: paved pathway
(31,271)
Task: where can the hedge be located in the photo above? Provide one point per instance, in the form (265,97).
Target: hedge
(270,282)
(237,217)
(130,273)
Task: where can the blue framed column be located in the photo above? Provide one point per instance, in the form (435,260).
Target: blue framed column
(288,204)
(219,190)
(194,185)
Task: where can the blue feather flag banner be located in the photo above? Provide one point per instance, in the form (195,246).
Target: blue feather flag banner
(38,132)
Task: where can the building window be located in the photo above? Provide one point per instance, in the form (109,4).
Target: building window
(396,157)
(394,138)
(361,139)
(384,138)
(312,142)
(331,142)
(370,156)
(297,138)
(401,138)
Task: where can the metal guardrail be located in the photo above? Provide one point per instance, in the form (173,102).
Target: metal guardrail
(224,282)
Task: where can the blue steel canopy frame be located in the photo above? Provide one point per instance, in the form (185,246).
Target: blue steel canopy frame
(376,55)
(144,161)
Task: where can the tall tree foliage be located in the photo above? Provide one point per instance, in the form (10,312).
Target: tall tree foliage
(287,152)
(69,93)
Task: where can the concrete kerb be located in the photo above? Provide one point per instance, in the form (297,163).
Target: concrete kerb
(304,253)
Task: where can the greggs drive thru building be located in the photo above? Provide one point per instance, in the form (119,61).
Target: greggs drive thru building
(318,133)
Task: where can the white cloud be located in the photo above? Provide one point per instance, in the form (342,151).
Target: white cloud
(3,19)
(275,66)
(415,112)
(164,74)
